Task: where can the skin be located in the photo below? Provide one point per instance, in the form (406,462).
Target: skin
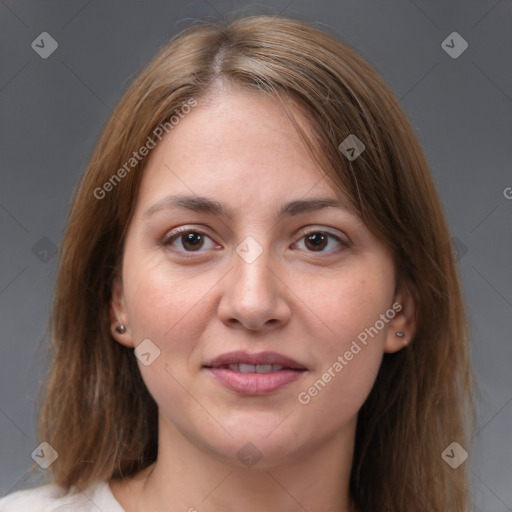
(239,148)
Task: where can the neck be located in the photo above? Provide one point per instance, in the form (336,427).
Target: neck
(188,478)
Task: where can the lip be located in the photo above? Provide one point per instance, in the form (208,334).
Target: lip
(254,384)
(242,356)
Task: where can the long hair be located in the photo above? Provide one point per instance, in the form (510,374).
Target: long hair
(97,412)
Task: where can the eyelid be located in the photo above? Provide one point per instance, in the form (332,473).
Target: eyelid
(301,233)
(166,240)
(345,243)
(319,229)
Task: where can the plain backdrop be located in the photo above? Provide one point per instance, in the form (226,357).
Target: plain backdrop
(52,111)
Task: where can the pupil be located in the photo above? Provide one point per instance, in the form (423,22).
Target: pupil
(192,239)
(317,239)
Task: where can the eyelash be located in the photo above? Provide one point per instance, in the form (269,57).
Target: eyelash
(175,234)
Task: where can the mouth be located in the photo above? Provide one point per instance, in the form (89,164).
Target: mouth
(254,374)
(253,368)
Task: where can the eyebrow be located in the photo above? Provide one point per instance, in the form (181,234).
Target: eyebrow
(210,206)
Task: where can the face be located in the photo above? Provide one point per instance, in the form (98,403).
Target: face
(310,285)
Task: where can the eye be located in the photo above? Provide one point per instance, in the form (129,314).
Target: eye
(191,240)
(317,241)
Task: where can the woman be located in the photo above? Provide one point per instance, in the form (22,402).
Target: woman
(257,304)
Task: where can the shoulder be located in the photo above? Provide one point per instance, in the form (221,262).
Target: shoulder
(50,498)
(31,499)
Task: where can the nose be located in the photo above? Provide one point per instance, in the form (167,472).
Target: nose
(255,296)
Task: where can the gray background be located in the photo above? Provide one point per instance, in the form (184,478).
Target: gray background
(52,111)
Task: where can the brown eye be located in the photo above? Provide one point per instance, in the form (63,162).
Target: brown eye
(192,241)
(316,241)
(319,241)
(188,240)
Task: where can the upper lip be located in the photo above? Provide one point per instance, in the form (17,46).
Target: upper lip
(244,357)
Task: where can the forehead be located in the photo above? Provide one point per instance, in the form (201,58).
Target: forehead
(236,145)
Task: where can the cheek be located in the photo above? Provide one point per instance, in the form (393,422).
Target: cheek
(353,302)
(352,350)
(167,306)
(162,301)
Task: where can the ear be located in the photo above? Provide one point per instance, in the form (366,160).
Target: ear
(404,321)
(118,314)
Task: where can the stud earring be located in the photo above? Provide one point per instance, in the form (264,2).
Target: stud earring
(400,334)
(121,329)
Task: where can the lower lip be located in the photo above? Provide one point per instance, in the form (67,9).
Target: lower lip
(255,384)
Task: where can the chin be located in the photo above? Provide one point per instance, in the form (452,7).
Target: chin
(259,445)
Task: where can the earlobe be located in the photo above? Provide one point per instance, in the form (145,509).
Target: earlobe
(402,327)
(119,327)
(394,345)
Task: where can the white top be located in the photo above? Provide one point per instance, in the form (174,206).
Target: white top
(50,498)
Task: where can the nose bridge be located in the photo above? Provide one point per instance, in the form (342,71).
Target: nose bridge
(254,296)
(252,269)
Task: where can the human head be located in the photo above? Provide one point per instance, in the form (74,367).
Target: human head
(388,186)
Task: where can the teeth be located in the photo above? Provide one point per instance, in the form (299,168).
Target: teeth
(246,368)
(263,368)
(255,368)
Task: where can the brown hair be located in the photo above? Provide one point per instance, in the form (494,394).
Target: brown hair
(97,412)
